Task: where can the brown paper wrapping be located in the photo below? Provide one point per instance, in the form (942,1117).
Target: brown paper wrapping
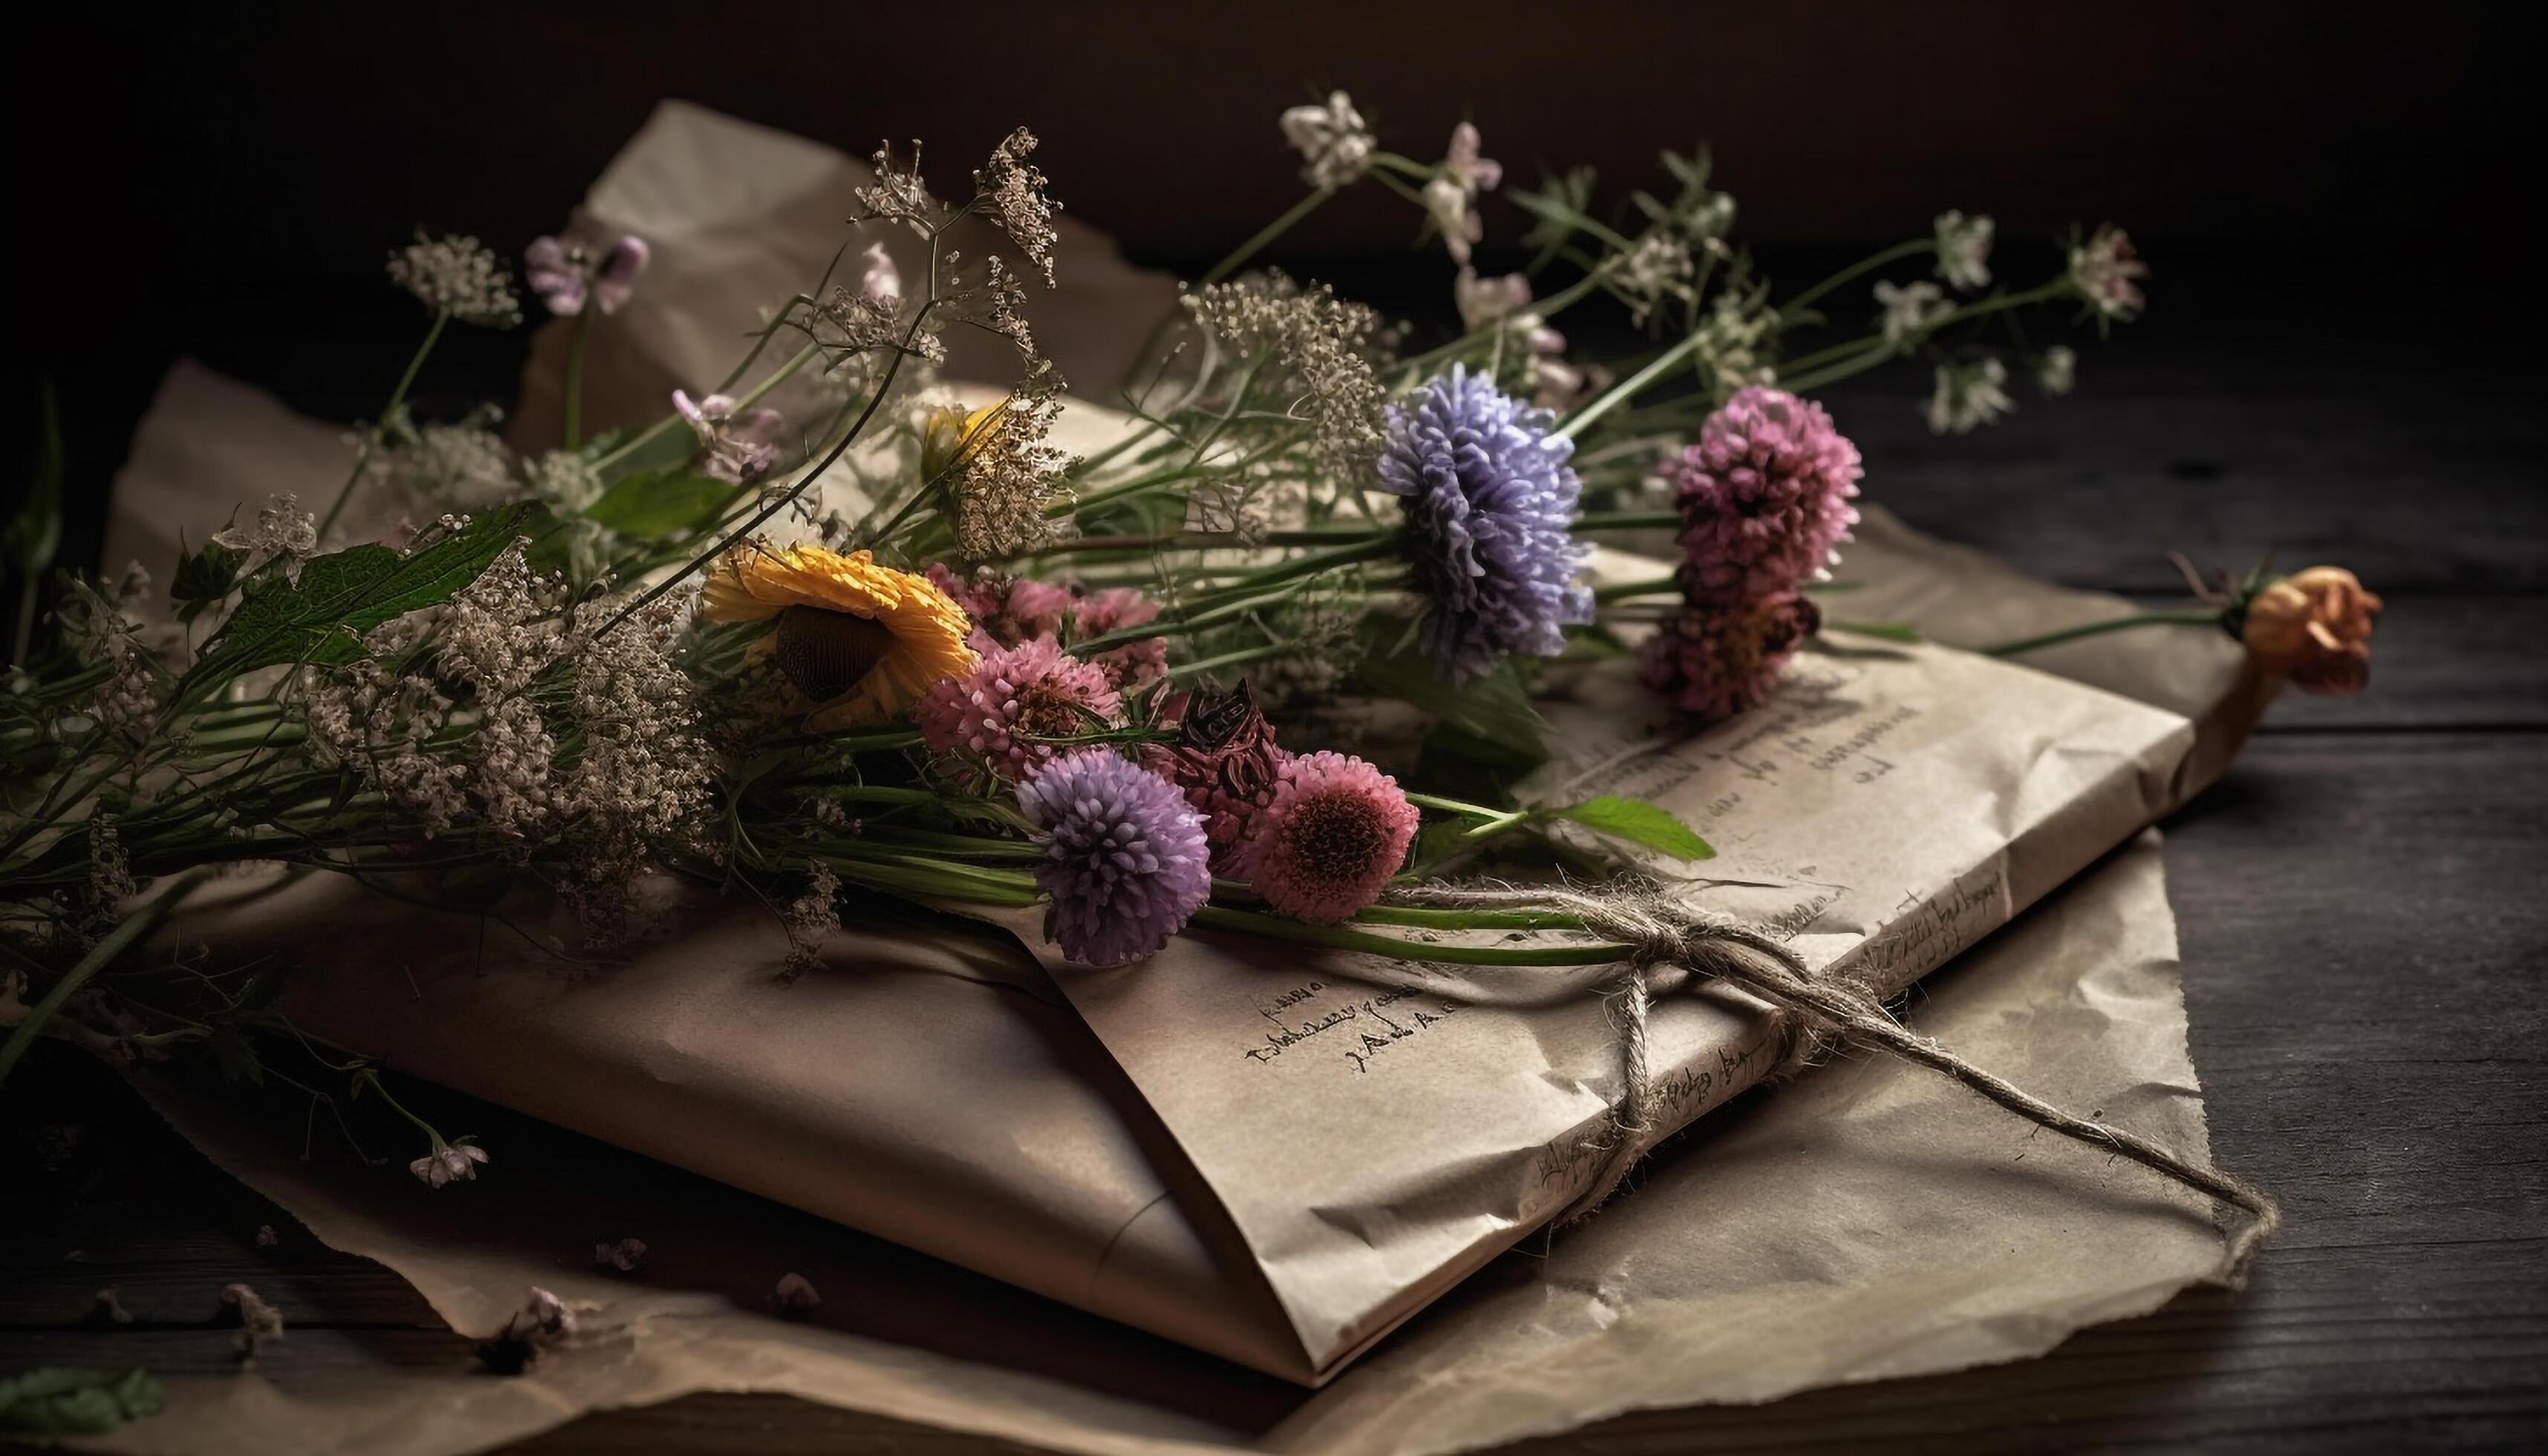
(833,1095)
(1867,1222)
(929,1074)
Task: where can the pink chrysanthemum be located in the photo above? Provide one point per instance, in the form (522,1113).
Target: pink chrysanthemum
(1326,843)
(1007,610)
(1124,856)
(980,594)
(1764,497)
(1005,713)
(1712,663)
(1225,760)
(1113,611)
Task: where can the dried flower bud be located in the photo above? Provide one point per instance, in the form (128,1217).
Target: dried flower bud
(949,434)
(260,1324)
(795,1296)
(2314,628)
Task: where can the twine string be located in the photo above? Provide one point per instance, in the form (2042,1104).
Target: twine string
(1662,937)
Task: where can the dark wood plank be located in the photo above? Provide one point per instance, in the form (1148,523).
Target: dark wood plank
(2416,481)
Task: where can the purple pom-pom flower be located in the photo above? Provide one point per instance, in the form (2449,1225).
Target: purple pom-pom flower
(1488,500)
(1124,859)
(1764,499)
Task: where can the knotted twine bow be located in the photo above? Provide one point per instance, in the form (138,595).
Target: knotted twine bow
(1662,937)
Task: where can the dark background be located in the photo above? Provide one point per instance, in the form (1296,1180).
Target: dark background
(2342,361)
(224,184)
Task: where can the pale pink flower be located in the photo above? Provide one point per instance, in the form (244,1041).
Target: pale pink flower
(2104,270)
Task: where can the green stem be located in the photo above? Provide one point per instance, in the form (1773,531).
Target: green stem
(1209,617)
(2110,624)
(1621,590)
(23,628)
(1238,659)
(655,432)
(127,933)
(1626,388)
(398,398)
(1276,928)
(1267,234)
(574,384)
(1889,631)
(1861,268)
(1626,520)
(1547,308)
(1317,560)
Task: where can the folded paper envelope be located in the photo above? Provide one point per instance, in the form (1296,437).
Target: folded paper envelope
(1283,1210)
(1254,1153)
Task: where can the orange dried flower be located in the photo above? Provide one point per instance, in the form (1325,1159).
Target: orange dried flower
(2314,628)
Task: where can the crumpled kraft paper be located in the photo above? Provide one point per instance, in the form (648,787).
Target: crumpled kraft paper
(1868,1220)
(1282,1255)
(1173,1221)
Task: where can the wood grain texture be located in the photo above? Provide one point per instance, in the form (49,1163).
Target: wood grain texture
(2359,902)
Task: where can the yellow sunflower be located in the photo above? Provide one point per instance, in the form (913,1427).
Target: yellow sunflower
(861,642)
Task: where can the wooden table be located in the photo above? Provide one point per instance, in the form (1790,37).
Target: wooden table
(2363,904)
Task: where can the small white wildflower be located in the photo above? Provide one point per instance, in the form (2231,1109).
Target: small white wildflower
(1019,203)
(565,480)
(1910,309)
(2058,370)
(1450,199)
(448,1161)
(2104,269)
(1968,396)
(1010,471)
(899,195)
(1332,140)
(1324,345)
(1963,251)
(458,276)
(1483,300)
(283,532)
(811,920)
(881,284)
(1657,267)
(1736,335)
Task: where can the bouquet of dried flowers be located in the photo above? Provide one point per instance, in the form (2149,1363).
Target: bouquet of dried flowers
(908,650)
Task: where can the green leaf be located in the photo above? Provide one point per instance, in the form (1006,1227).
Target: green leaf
(347,593)
(659,503)
(1889,631)
(1638,823)
(1494,708)
(34,533)
(236,1056)
(204,577)
(66,1403)
(1437,842)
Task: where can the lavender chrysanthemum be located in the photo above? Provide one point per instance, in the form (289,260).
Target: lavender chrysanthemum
(1124,856)
(1489,498)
